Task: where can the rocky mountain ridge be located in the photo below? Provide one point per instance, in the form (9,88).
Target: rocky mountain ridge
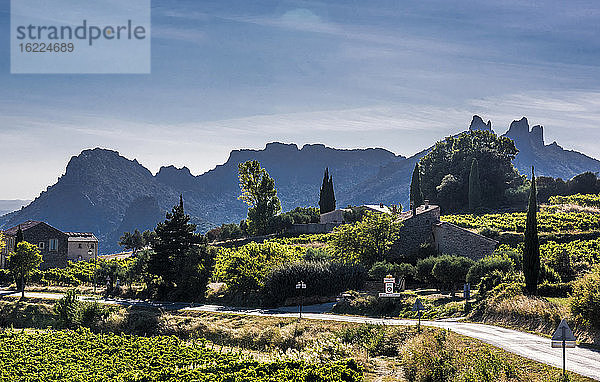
(103,192)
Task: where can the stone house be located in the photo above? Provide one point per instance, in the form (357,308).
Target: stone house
(422,225)
(83,246)
(56,247)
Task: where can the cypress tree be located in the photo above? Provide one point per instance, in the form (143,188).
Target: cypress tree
(326,198)
(18,237)
(531,250)
(474,187)
(416,195)
(331,194)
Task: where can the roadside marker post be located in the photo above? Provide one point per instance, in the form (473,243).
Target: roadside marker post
(563,338)
(301,286)
(467,295)
(419,308)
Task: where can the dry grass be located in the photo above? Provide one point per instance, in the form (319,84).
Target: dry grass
(535,314)
(379,349)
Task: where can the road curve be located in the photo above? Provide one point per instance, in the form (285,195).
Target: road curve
(580,360)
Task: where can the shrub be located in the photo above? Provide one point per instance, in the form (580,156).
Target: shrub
(5,277)
(445,270)
(424,268)
(486,367)
(429,358)
(555,289)
(488,264)
(548,274)
(321,278)
(67,310)
(245,269)
(373,306)
(451,270)
(377,340)
(382,268)
(317,254)
(497,283)
(487,231)
(91,313)
(585,301)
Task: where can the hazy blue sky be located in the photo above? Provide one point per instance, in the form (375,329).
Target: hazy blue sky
(237,74)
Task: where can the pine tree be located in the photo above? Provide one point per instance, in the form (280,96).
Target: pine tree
(416,195)
(327,195)
(474,187)
(531,250)
(174,239)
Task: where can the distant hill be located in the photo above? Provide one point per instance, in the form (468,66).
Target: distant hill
(103,192)
(549,160)
(7,206)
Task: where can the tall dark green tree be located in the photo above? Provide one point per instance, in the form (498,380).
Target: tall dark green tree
(474,186)
(174,239)
(331,194)
(18,237)
(531,250)
(416,193)
(453,156)
(258,191)
(133,241)
(327,195)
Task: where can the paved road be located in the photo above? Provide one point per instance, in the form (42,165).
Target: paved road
(579,360)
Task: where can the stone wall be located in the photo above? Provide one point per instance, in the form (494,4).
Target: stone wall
(416,230)
(78,250)
(453,240)
(312,228)
(336,216)
(43,233)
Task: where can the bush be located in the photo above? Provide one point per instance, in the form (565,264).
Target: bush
(585,301)
(429,358)
(67,310)
(424,268)
(497,283)
(488,264)
(445,270)
(245,269)
(377,340)
(317,254)
(373,306)
(5,277)
(555,290)
(321,278)
(451,270)
(487,231)
(381,269)
(91,313)
(548,274)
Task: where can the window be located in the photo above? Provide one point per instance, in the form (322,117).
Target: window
(80,245)
(92,246)
(53,245)
(41,245)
